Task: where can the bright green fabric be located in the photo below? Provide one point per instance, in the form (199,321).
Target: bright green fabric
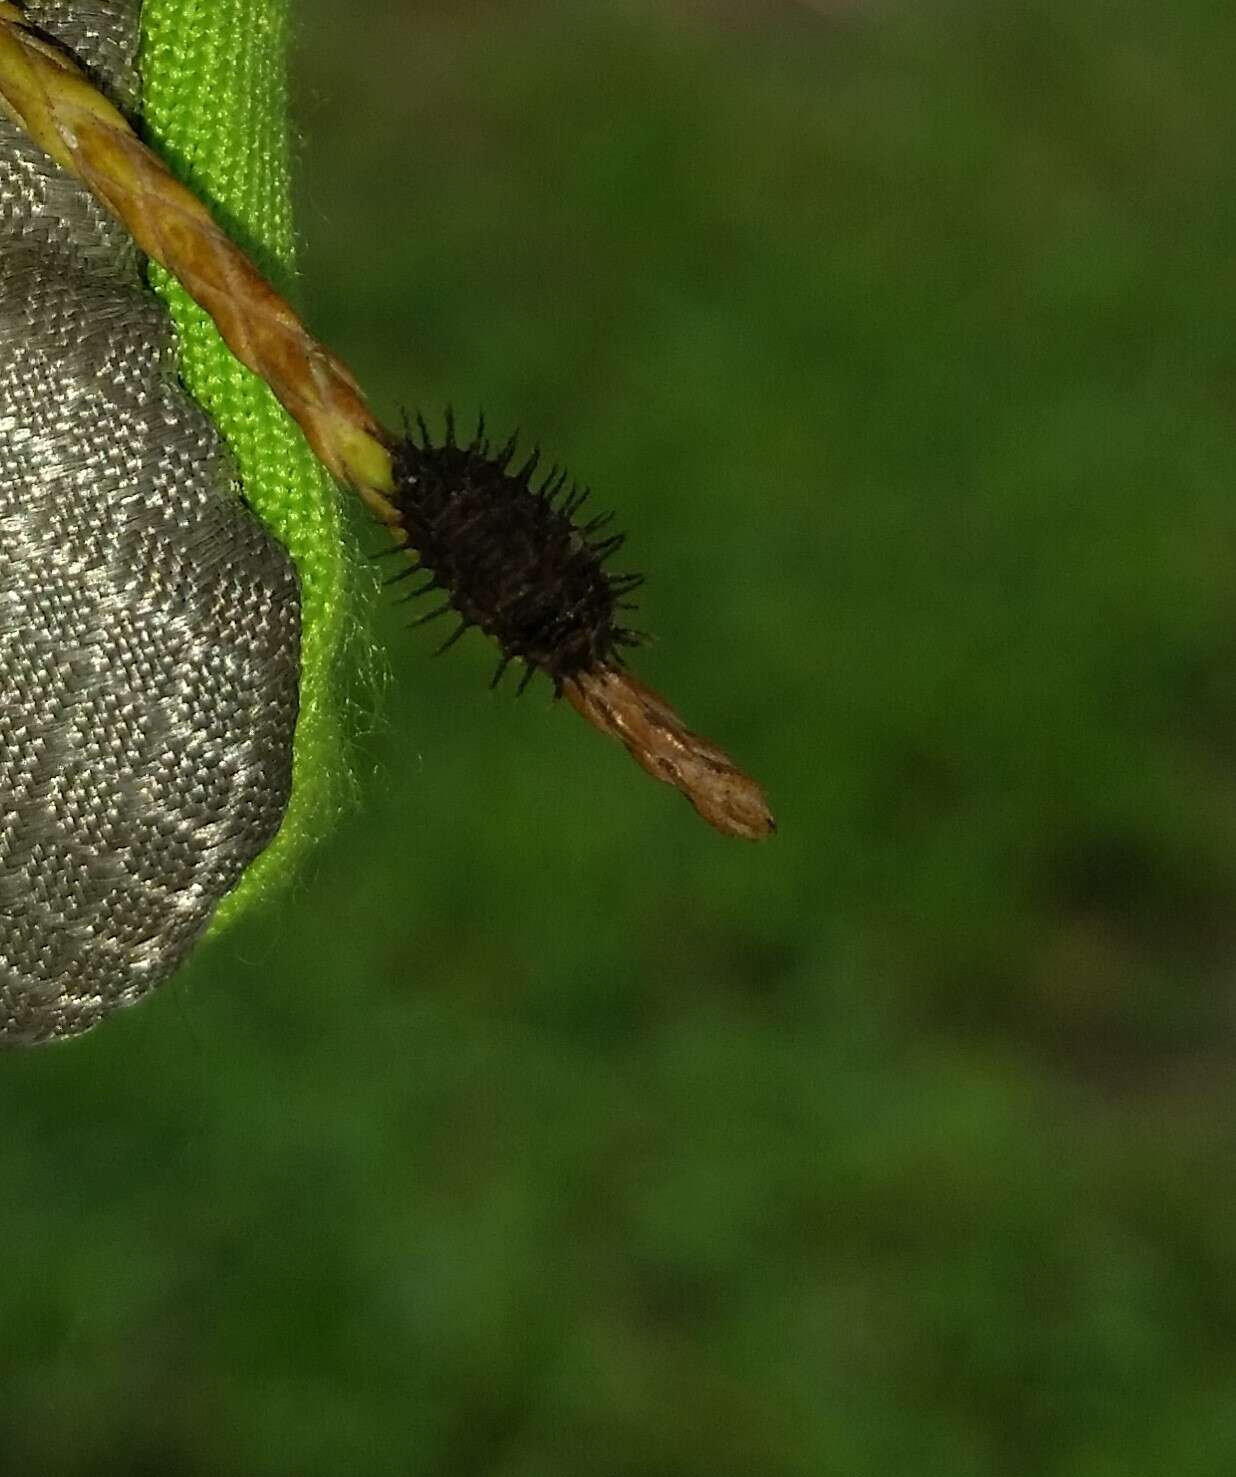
(215,107)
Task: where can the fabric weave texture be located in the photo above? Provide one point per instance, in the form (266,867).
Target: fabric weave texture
(149,623)
(214,106)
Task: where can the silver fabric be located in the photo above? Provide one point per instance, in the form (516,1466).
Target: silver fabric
(149,626)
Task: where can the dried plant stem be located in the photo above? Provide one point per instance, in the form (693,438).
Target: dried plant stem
(45,91)
(618,704)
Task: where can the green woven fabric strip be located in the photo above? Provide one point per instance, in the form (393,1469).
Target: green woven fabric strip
(215,107)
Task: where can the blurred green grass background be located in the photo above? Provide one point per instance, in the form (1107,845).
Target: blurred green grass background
(540,1131)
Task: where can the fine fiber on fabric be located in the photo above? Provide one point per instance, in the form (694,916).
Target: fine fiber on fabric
(149,622)
(214,106)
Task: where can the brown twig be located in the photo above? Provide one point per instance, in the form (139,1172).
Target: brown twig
(657,739)
(45,91)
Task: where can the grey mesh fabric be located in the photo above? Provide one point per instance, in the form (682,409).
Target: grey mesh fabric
(149,626)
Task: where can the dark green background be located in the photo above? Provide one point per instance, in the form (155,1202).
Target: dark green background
(543,1132)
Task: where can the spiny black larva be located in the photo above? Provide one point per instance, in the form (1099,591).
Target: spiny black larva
(508,556)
